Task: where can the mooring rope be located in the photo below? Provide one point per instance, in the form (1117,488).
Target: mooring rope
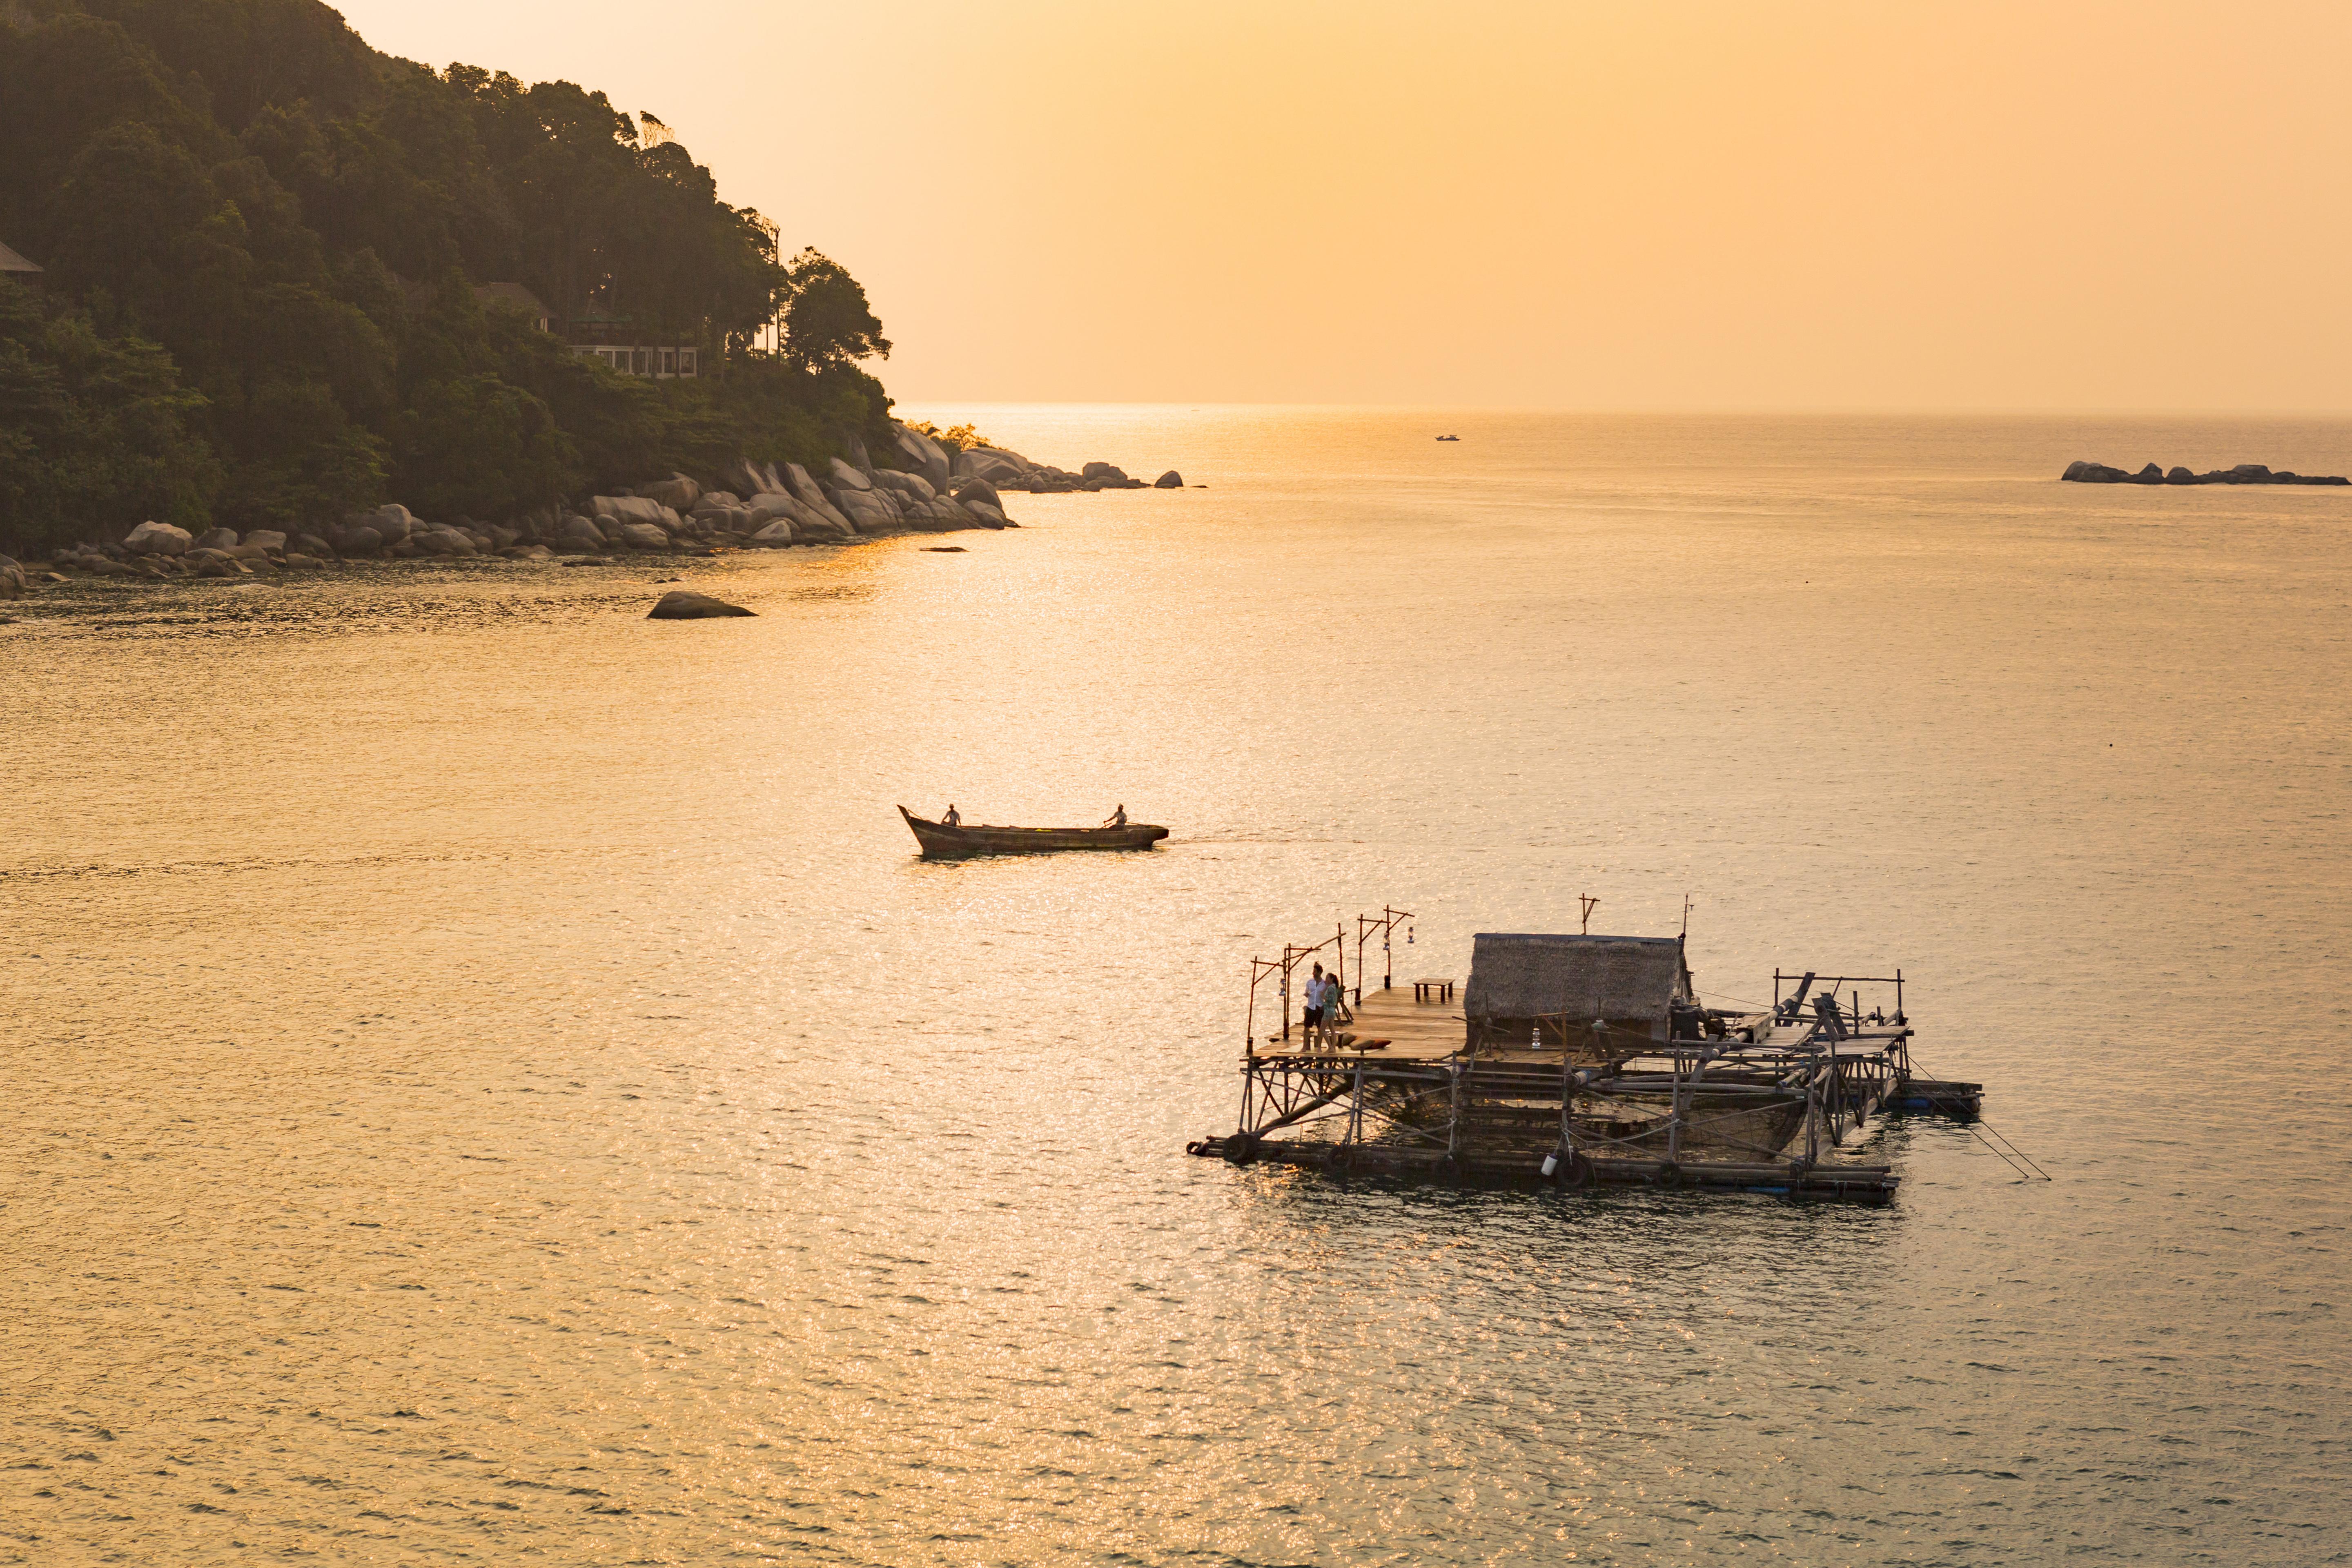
(2019,1159)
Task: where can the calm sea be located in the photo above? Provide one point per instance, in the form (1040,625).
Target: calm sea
(487,1079)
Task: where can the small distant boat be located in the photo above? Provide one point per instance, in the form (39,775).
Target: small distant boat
(1449,437)
(941,842)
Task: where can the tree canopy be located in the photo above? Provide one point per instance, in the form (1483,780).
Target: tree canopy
(261,240)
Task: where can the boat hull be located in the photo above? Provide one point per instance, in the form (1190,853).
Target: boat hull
(941,842)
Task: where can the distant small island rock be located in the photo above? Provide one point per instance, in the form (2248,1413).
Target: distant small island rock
(2085,473)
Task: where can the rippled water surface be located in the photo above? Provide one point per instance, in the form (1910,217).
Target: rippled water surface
(489,1081)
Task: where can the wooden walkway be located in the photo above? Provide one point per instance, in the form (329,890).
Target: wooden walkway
(1417,1031)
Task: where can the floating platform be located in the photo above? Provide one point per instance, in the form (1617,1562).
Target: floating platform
(1411,1083)
(1865,1183)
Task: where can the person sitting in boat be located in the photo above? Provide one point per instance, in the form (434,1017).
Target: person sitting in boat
(1118,819)
(954,818)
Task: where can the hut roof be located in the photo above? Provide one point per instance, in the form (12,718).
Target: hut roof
(1615,977)
(10,261)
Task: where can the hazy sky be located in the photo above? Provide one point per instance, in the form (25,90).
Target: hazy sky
(1591,204)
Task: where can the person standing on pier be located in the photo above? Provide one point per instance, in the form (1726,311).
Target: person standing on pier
(1313,1018)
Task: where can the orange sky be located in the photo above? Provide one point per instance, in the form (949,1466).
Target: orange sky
(1588,204)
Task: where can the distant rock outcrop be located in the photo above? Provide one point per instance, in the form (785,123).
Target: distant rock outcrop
(2086,473)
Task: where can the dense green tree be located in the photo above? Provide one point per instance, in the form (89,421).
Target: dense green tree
(268,236)
(95,431)
(475,445)
(828,325)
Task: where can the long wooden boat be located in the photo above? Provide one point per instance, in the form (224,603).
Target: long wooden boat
(941,842)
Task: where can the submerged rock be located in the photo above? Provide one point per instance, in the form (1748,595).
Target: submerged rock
(680,606)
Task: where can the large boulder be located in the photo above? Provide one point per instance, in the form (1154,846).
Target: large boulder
(635,509)
(811,495)
(2093,474)
(12,582)
(993,464)
(746,478)
(979,490)
(678,606)
(269,539)
(157,539)
(828,527)
(216,539)
(2151,475)
(395,522)
(443,539)
(581,531)
(984,514)
(1171,481)
(776,535)
(866,510)
(913,486)
(1102,472)
(677,492)
(843,477)
(927,457)
(2179,476)
(644,536)
(359,539)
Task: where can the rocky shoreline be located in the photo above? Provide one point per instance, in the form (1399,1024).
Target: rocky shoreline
(929,488)
(2086,473)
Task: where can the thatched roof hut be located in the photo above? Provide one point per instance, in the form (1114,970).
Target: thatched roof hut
(1524,986)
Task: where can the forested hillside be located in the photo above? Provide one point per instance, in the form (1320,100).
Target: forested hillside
(261,240)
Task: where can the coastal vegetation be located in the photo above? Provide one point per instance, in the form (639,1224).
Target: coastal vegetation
(264,302)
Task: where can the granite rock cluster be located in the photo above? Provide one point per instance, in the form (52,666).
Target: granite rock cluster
(929,489)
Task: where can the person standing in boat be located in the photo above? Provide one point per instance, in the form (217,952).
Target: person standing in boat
(954,818)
